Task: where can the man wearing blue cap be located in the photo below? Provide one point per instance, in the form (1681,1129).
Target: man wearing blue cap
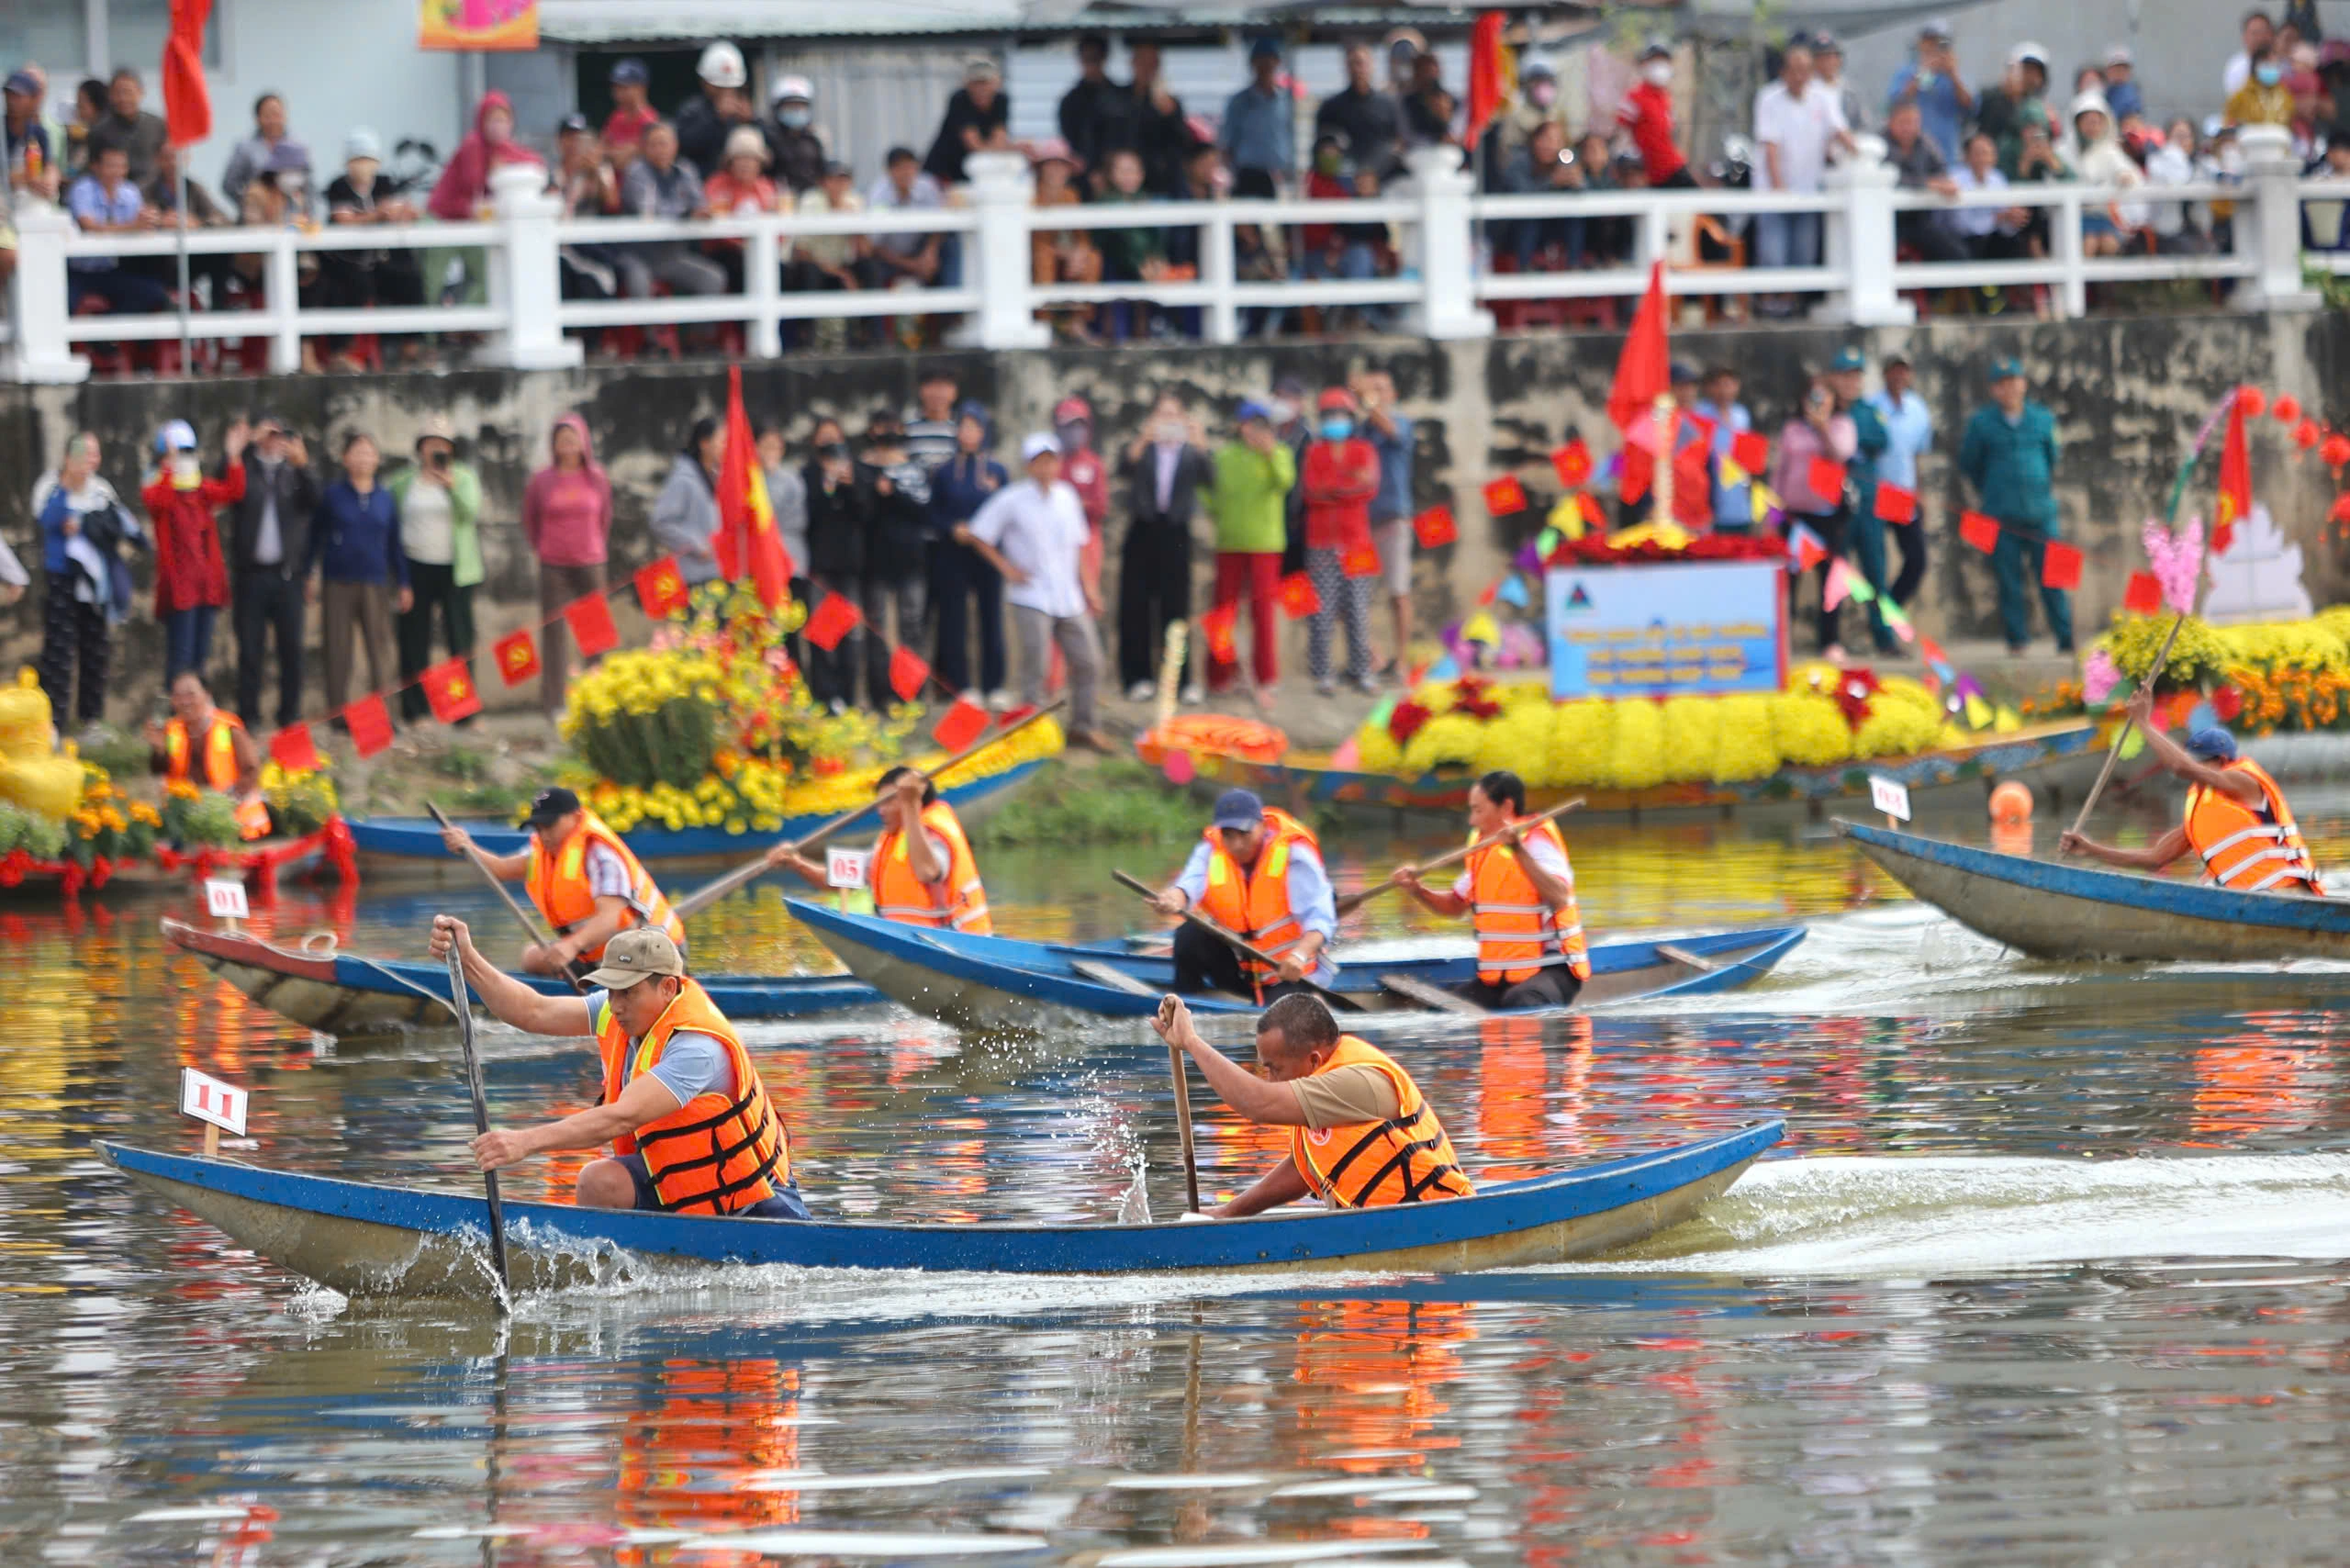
(2008,454)
(2236,819)
(1258,872)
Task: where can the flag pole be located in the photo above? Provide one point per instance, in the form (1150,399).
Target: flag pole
(179,163)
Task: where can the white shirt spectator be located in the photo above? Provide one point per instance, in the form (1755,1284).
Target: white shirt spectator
(1802,130)
(1039,532)
(2234,74)
(2168,165)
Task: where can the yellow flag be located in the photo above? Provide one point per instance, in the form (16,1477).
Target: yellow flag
(1732,475)
(2007,720)
(1978,712)
(1567,517)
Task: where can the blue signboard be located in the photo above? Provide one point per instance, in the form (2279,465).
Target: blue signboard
(1667,631)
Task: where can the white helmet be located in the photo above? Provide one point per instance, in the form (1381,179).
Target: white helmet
(721,66)
(793,87)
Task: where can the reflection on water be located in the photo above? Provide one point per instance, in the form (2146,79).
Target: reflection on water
(2048,1270)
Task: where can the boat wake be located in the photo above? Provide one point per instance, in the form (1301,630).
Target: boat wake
(1894,1215)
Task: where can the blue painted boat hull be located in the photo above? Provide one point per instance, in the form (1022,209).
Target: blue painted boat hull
(2067,911)
(345,993)
(1001,985)
(367,1239)
(405,843)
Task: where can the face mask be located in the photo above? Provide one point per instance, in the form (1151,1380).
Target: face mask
(796,119)
(186,474)
(1329,163)
(1337,427)
(1658,72)
(1542,93)
(1170,431)
(2270,75)
(836,452)
(1280,411)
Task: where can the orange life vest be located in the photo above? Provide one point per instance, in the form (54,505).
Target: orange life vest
(1406,1158)
(711,1154)
(898,894)
(2250,850)
(558,884)
(1517,934)
(1255,903)
(219,766)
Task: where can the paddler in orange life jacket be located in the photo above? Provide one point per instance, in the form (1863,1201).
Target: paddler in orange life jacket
(918,878)
(1258,872)
(690,1123)
(1360,1133)
(2236,822)
(210,749)
(1520,894)
(588,883)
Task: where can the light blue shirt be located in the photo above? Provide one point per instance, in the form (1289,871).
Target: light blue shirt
(691,1063)
(1733,504)
(1394,497)
(1939,115)
(88,201)
(1909,430)
(1259,130)
(1310,897)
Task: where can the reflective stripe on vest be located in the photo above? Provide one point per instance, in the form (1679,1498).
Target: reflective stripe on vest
(1255,903)
(1517,934)
(1406,1158)
(711,1154)
(219,751)
(2243,849)
(558,884)
(958,899)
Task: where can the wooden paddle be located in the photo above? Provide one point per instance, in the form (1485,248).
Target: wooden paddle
(530,922)
(2114,754)
(1239,943)
(481,1119)
(1183,1125)
(1354,901)
(750,872)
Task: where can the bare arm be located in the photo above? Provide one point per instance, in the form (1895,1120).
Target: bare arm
(1267,1105)
(1555,890)
(508,1000)
(1281,1184)
(647,1099)
(2237,787)
(505,868)
(612,918)
(994,558)
(2153,858)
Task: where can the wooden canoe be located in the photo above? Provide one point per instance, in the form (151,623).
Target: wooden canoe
(2058,758)
(2059,910)
(363,1238)
(344,993)
(999,985)
(413,843)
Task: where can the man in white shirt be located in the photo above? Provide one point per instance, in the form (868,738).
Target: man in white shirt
(1796,121)
(1032,533)
(1910,435)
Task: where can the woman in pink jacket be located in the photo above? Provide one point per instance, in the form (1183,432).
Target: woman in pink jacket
(568,517)
(1818,432)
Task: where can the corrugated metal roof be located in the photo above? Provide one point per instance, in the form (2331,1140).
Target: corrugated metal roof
(631,21)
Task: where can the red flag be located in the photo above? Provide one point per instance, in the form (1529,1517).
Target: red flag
(2236,480)
(747,542)
(661,589)
(1012,716)
(1491,592)
(518,656)
(1298,597)
(2144,594)
(1981,532)
(908,673)
(835,619)
(2061,567)
(1573,463)
(961,724)
(370,724)
(1751,450)
(1895,504)
(1490,74)
(292,749)
(1360,561)
(449,687)
(187,103)
(1435,527)
(590,619)
(1505,496)
(1643,371)
(1826,476)
(1593,516)
(1218,626)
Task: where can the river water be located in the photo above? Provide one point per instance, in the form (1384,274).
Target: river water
(2049,1268)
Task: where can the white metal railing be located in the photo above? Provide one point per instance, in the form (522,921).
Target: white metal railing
(1437,219)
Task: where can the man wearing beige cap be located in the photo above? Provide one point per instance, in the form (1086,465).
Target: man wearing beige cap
(691,1127)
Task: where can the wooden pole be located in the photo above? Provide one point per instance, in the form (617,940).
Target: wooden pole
(481,1120)
(2114,754)
(1175,1066)
(1354,901)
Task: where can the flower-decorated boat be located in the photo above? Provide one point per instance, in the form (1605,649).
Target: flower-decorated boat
(370,1239)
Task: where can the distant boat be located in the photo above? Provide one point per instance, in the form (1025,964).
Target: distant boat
(368,1239)
(2058,909)
(998,984)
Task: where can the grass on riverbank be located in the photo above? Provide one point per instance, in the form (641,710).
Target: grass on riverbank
(1120,801)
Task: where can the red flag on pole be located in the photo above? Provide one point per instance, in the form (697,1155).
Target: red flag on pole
(2236,480)
(661,589)
(590,619)
(1644,370)
(449,687)
(370,724)
(747,543)
(187,103)
(292,749)
(961,724)
(1491,74)
(516,653)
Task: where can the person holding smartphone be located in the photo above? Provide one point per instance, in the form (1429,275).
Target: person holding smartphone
(439,500)
(1817,431)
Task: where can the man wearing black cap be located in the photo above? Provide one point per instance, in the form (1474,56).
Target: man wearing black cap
(2236,819)
(632,114)
(588,883)
(1258,872)
(269,548)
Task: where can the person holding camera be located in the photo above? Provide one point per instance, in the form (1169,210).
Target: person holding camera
(438,499)
(1818,432)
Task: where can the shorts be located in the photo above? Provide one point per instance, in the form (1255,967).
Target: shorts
(785,1204)
(2097,224)
(1394,538)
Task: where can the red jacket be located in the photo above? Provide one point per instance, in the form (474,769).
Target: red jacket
(1340,477)
(189,572)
